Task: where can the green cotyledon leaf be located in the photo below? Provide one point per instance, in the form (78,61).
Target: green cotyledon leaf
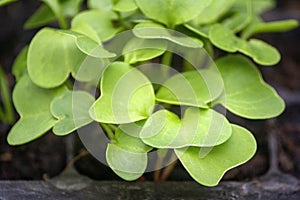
(126,164)
(72,111)
(103,5)
(257,6)
(127,95)
(100,21)
(259,51)
(127,156)
(89,45)
(33,105)
(208,170)
(52,56)
(172,12)
(246,94)
(198,127)
(191,88)
(213,11)
(151,30)
(137,50)
(125,6)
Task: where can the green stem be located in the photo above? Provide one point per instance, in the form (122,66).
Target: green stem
(167,59)
(62,22)
(7,113)
(108,131)
(112,127)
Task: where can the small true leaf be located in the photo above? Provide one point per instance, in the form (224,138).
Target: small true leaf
(72,111)
(202,128)
(246,94)
(209,170)
(192,88)
(127,95)
(33,105)
(172,12)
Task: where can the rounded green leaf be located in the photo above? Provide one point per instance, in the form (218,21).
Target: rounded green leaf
(99,21)
(226,41)
(104,5)
(172,12)
(87,30)
(246,94)
(52,55)
(151,30)
(237,22)
(127,95)
(137,50)
(33,105)
(261,52)
(92,48)
(72,111)
(128,142)
(132,129)
(213,11)
(209,170)
(126,164)
(203,31)
(125,6)
(202,128)
(257,6)
(192,88)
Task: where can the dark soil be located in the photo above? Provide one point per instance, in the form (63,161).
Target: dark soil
(47,156)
